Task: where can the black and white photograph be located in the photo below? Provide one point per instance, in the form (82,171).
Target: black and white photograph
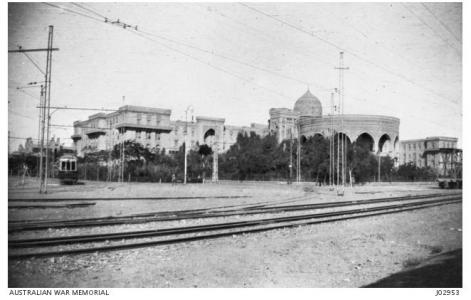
(233,145)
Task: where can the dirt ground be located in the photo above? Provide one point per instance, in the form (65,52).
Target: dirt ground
(351,253)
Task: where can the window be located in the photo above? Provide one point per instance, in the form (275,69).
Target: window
(149,118)
(148,135)
(138,118)
(72,166)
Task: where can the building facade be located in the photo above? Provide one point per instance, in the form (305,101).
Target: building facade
(153,128)
(440,153)
(381,133)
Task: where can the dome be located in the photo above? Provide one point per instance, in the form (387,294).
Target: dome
(308,105)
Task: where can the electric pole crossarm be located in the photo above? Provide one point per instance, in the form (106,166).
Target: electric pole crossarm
(32,50)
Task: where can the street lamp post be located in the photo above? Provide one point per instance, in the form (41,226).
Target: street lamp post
(47,148)
(186,141)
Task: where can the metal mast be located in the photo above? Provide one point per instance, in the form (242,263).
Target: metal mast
(331,142)
(48,99)
(343,139)
(45,104)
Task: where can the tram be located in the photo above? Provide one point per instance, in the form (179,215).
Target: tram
(68,173)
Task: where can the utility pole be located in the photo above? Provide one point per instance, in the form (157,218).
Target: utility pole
(215,161)
(41,132)
(290,157)
(48,98)
(379,167)
(110,148)
(45,105)
(298,156)
(186,143)
(341,68)
(331,141)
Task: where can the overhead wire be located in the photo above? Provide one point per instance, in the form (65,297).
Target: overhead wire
(72,11)
(240,77)
(343,49)
(421,20)
(141,34)
(34,63)
(441,22)
(82,6)
(228,58)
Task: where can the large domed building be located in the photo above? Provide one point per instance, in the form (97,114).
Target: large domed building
(380,133)
(308,105)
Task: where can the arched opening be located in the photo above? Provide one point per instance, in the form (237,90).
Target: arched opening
(342,136)
(303,139)
(365,140)
(209,137)
(318,136)
(385,144)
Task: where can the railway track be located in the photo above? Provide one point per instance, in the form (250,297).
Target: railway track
(202,232)
(120,198)
(227,211)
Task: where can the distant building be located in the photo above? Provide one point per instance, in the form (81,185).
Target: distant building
(380,133)
(153,128)
(32,148)
(440,153)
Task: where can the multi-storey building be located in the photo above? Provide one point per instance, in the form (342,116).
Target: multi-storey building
(153,128)
(55,146)
(440,153)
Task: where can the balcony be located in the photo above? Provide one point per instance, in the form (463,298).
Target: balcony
(95,132)
(143,127)
(76,137)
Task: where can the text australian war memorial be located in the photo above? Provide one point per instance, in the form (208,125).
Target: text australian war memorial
(154,129)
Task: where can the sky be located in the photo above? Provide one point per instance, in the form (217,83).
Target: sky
(236,61)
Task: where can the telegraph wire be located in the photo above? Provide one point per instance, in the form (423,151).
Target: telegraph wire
(34,63)
(73,11)
(20,115)
(441,22)
(446,41)
(215,54)
(244,79)
(341,49)
(26,93)
(88,9)
(227,58)
(212,65)
(141,34)
(81,108)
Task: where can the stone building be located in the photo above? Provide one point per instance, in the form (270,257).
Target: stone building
(32,148)
(381,133)
(153,128)
(438,152)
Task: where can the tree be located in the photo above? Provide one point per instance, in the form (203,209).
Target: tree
(364,164)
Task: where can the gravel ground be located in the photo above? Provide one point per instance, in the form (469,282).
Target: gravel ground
(251,193)
(343,254)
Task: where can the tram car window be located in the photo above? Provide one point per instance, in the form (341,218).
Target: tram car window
(68,173)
